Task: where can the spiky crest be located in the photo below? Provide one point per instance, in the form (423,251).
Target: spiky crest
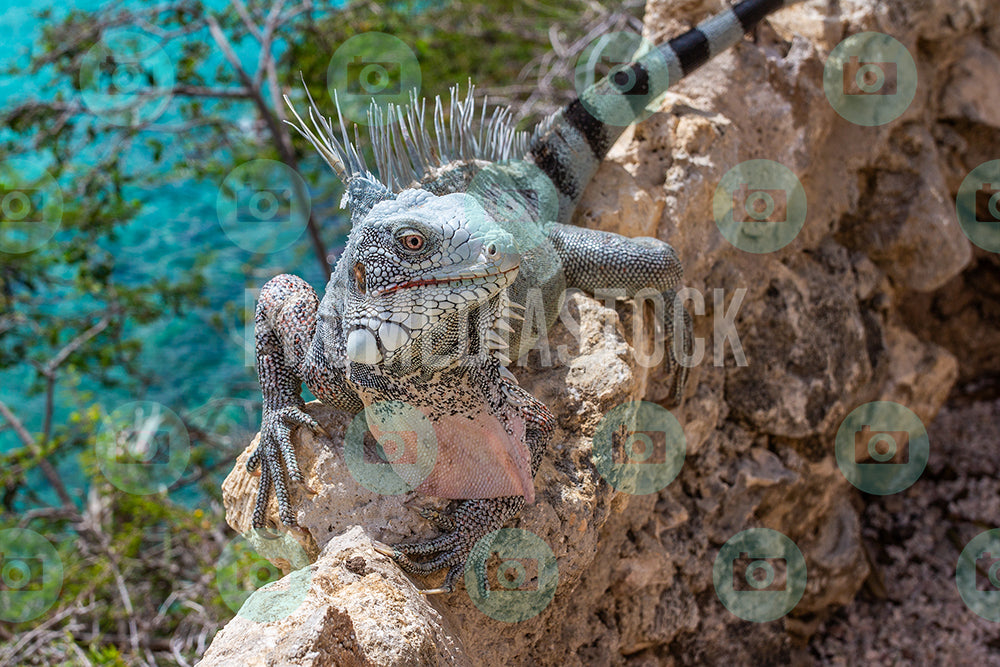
(405,149)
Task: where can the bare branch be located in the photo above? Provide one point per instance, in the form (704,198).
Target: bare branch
(76,343)
(208,91)
(51,476)
(266,39)
(37,448)
(227,50)
(279,135)
(248,21)
(46,513)
(8,657)
(15,423)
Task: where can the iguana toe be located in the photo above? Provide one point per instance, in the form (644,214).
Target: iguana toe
(276,459)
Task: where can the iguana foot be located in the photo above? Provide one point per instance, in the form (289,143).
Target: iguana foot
(471,521)
(275,456)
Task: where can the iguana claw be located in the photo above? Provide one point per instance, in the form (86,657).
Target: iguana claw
(384,551)
(415,568)
(679,336)
(275,456)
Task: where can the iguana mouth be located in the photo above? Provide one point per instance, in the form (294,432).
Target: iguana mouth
(461,280)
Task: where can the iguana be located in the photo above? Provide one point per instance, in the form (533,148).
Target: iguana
(449,241)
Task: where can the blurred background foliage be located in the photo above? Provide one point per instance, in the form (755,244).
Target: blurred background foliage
(138,297)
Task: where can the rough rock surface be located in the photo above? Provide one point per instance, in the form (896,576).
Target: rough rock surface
(356,609)
(880,297)
(910,610)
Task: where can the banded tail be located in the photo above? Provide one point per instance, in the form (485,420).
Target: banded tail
(570,145)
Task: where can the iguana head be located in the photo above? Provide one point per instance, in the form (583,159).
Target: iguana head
(415,261)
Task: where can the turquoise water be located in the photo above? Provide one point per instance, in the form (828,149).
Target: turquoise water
(202,355)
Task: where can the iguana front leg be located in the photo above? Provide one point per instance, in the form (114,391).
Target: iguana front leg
(287,355)
(594,260)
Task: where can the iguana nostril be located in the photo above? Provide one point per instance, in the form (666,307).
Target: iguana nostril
(491,250)
(359,277)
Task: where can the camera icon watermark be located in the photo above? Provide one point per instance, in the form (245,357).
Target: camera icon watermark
(645,447)
(882,447)
(977,575)
(751,573)
(759,575)
(978,206)
(21,574)
(263,206)
(373,67)
(620,78)
(988,571)
(31,575)
(31,205)
(252,585)
(370,77)
(870,78)
(21,204)
(390,447)
(142,447)
(639,447)
(255,204)
(511,575)
(874,447)
(987,203)
(759,206)
(127,78)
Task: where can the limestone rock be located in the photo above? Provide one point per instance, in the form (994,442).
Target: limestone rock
(356,608)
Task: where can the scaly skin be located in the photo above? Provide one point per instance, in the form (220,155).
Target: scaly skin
(420,306)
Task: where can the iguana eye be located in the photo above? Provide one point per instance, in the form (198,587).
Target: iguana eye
(412,242)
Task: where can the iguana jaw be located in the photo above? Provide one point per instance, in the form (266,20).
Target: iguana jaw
(413,307)
(464,279)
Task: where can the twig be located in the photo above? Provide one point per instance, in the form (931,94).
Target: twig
(51,476)
(41,628)
(281,138)
(209,91)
